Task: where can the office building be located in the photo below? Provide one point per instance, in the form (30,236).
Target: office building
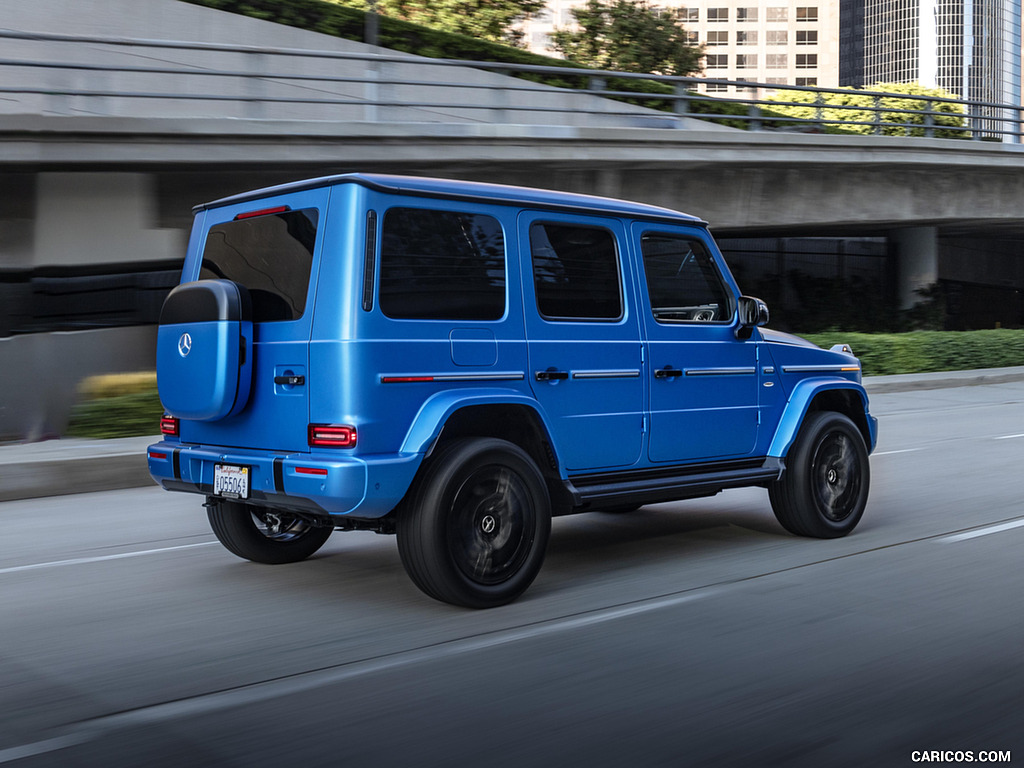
(971,48)
(764,41)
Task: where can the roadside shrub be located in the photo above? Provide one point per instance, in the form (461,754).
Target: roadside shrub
(929,351)
(856,107)
(116,384)
(117,405)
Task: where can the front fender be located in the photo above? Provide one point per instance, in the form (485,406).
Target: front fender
(800,402)
(437,409)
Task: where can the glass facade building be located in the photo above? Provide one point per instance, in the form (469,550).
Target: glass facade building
(971,48)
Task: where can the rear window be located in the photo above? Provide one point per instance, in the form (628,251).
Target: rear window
(271,255)
(575,272)
(442,265)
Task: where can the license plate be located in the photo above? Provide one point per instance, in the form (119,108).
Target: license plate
(231,481)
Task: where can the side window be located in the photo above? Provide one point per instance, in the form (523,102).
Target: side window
(682,281)
(271,254)
(440,265)
(575,272)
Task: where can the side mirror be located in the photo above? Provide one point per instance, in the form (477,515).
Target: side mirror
(752,312)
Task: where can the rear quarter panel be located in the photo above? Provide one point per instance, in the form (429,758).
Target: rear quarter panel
(370,369)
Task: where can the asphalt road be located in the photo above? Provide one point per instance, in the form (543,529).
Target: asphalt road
(682,634)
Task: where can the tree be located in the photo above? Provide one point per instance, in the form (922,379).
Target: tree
(627,36)
(856,106)
(482,19)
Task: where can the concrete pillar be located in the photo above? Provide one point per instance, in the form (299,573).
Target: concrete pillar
(100,218)
(917,257)
(607,183)
(82,220)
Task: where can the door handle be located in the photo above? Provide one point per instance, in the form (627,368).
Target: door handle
(294,381)
(551,375)
(668,372)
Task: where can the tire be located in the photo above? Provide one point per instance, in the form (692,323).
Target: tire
(264,535)
(823,492)
(476,527)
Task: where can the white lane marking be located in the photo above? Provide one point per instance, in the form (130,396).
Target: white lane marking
(890,453)
(1007,437)
(984,531)
(100,558)
(273,689)
(42,747)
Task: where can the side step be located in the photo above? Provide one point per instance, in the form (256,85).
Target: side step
(672,484)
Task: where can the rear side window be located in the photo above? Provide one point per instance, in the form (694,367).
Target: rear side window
(441,265)
(575,272)
(682,280)
(271,255)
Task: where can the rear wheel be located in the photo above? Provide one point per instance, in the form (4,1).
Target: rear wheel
(476,528)
(264,535)
(824,489)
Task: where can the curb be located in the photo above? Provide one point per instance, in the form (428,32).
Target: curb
(910,382)
(67,466)
(60,467)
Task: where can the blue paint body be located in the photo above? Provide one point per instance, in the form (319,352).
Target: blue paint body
(343,361)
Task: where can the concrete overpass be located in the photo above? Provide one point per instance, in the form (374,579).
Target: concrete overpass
(105,145)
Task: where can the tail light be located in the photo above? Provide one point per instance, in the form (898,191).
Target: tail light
(332,436)
(169,426)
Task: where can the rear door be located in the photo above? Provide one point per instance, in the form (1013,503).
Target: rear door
(272,247)
(583,337)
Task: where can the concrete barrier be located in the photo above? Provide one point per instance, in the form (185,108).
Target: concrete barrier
(58,467)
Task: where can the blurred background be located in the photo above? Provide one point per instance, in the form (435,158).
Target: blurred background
(845,210)
(860,163)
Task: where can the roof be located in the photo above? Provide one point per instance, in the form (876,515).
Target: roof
(467,190)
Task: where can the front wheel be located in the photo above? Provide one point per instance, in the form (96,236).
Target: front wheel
(824,489)
(476,526)
(264,535)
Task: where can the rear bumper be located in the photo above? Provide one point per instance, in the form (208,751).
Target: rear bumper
(319,483)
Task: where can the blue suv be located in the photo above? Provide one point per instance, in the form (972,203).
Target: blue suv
(457,362)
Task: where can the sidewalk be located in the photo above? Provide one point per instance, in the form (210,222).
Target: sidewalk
(71,465)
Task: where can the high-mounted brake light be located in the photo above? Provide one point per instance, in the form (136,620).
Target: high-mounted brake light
(169,425)
(332,436)
(262,212)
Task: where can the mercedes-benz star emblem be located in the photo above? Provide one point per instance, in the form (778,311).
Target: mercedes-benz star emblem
(184,345)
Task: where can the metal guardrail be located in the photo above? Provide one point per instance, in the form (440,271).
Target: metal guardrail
(666,98)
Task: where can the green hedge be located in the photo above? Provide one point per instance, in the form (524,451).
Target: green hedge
(350,23)
(128,415)
(926,351)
